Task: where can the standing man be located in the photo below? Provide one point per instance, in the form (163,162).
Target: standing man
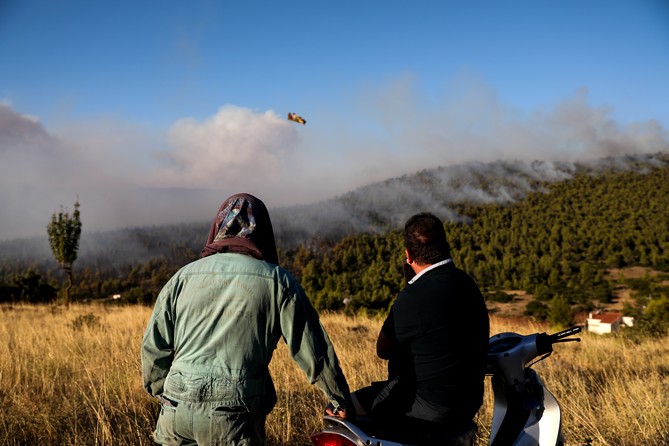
(436,340)
(214,328)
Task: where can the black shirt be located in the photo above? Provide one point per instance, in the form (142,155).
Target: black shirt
(441,322)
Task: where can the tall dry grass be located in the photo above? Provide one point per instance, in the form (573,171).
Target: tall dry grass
(72,377)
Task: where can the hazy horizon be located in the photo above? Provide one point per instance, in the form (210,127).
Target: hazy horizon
(114,191)
(159,120)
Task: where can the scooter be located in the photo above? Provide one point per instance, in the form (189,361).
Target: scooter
(525,412)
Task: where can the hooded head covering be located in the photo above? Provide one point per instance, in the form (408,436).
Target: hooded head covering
(242,225)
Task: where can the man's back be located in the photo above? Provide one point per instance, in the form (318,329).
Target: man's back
(219,294)
(207,346)
(443,320)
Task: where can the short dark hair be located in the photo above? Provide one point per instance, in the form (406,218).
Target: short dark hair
(425,239)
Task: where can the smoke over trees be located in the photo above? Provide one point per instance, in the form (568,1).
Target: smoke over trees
(550,229)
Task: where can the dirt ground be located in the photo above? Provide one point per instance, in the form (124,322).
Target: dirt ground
(514,308)
(621,294)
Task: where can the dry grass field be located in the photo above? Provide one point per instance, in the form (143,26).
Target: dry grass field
(72,377)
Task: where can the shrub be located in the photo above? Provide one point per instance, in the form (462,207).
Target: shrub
(499,296)
(536,310)
(89,320)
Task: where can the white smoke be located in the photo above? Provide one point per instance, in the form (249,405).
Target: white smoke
(129,175)
(236,148)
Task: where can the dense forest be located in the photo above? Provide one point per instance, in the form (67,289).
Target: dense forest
(555,242)
(556,245)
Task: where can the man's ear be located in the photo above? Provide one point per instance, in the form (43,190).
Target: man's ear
(408,256)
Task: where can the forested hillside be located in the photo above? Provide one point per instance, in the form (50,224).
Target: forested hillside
(553,243)
(553,238)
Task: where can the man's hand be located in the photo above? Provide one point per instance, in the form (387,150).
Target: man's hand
(339,413)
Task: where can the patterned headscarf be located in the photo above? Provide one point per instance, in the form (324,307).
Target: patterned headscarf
(242,225)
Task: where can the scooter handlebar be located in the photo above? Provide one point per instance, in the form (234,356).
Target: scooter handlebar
(545,341)
(565,333)
(509,353)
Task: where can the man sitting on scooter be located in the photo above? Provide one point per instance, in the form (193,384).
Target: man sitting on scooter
(435,339)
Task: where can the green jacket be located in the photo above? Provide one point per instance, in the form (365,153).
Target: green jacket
(214,329)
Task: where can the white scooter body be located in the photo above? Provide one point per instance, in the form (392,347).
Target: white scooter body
(542,426)
(525,412)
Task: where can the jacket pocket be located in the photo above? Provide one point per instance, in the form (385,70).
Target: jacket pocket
(231,426)
(165,432)
(201,388)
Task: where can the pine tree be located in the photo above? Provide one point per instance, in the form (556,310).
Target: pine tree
(559,312)
(64,232)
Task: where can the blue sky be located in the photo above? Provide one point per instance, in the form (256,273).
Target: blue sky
(118,102)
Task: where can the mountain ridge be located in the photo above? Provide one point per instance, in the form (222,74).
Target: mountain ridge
(371,208)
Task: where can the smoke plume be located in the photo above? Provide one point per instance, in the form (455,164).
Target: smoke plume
(125,174)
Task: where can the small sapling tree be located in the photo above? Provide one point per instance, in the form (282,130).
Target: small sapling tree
(64,232)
